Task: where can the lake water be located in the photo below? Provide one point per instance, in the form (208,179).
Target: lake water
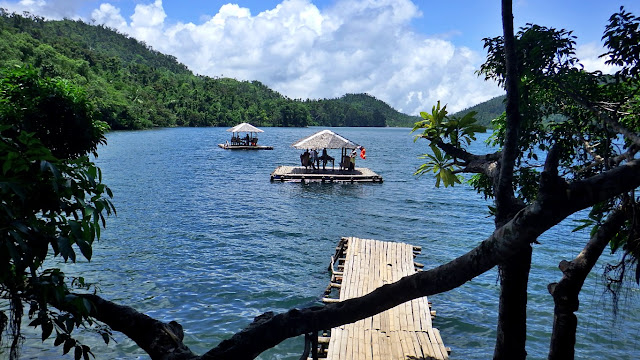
(204,238)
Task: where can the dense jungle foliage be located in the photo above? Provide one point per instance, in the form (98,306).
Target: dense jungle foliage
(135,87)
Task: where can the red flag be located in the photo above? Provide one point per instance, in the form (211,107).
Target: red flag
(363,154)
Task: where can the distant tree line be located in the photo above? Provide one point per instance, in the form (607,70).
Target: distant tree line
(134,87)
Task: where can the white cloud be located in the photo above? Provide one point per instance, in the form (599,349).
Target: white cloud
(364,46)
(354,47)
(147,22)
(109,16)
(50,9)
(589,55)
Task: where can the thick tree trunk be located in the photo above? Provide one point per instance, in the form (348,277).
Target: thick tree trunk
(512,313)
(504,189)
(565,293)
(514,273)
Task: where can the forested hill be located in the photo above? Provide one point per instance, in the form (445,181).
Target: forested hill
(349,109)
(487,110)
(135,87)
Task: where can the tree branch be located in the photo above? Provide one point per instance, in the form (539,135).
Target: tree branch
(565,293)
(486,164)
(160,340)
(511,329)
(462,154)
(614,161)
(615,125)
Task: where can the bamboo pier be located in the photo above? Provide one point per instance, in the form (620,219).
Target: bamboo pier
(403,332)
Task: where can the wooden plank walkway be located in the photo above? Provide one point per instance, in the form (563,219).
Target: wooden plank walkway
(401,333)
(301,174)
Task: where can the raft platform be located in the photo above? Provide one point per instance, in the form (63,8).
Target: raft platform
(245,147)
(358,267)
(301,174)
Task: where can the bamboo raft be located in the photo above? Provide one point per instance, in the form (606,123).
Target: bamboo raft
(302,174)
(403,332)
(245,147)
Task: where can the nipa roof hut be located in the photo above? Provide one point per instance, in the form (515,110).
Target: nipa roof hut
(325,139)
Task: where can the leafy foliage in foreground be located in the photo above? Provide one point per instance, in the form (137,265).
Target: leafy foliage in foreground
(439,128)
(563,127)
(52,199)
(586,121)
(135,87)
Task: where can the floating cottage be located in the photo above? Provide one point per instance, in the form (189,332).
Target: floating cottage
(244,137)
(314,161)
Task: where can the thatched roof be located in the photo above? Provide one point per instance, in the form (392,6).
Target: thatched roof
(324,139)
(245,127)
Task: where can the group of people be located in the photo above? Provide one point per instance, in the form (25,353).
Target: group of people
(246,140)
(311,158)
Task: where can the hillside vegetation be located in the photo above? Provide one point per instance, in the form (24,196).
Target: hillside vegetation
(135,87)
(486,111)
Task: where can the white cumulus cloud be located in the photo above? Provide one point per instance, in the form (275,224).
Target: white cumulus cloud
(352,46)
(50,9)
(109,16)
(589,55)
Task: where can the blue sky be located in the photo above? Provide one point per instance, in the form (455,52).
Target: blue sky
(465,22)
(408,53)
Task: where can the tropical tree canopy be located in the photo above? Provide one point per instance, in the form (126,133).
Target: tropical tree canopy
(52,199)
(566,126)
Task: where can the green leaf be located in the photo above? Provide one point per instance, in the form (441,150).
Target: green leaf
(47,329)
(7,165)
(60,339)
(85,248)
(585,223)
(86,351)
(68,344)
(64,246)
(105,337)
(69,322)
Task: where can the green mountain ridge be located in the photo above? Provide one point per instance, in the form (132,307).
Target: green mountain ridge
(134,87)
(486,111)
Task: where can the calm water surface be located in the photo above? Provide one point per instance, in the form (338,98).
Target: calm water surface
(202,237)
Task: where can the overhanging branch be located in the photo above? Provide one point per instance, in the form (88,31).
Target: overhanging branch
(565,293)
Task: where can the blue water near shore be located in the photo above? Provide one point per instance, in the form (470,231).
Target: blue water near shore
(204,238)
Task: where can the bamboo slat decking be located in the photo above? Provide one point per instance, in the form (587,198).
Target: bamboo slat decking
(403,332)
(245,147)
(299,173)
